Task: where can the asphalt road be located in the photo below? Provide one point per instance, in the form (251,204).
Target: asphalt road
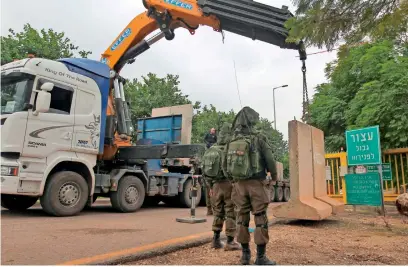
(34,238)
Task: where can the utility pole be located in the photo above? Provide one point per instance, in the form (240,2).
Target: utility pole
(274,110)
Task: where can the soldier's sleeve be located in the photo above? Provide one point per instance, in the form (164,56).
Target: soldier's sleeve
(267,154)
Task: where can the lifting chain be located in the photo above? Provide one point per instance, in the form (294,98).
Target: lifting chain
(305,114)
(303,57)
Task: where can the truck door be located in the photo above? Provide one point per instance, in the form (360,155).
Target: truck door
(52,131)
(87,121)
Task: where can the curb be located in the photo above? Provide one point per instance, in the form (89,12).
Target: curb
(151,250)
(157,252)
(167,250)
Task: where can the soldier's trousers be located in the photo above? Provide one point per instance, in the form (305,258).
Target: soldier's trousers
(251,196)
(224,208)
(207,196)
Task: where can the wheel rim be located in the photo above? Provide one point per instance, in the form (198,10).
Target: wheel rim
(280,194)
(272,196)
(69,194)
(131,195)
(287,193)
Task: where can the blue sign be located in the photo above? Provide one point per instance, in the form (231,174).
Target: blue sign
(124,35)
(179,4)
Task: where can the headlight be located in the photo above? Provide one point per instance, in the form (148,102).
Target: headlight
(9,171)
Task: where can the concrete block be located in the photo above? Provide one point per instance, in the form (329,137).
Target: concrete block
(302,203)
(319,172)
(186,111)
(186,122)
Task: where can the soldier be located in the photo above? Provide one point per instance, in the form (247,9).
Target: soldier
(249,156)
(221,189)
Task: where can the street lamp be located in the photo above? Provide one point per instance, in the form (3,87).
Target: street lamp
(274,110)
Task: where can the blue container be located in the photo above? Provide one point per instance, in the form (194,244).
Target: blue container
(166,129)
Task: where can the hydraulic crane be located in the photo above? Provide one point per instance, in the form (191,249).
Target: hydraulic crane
(66,128)
(243,17)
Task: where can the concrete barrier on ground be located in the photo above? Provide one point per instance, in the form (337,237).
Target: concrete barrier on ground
(309,200)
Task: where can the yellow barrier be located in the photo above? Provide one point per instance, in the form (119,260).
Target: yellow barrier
(399,164)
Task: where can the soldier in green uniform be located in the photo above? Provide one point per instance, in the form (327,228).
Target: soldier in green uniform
(249,157)
(221,189)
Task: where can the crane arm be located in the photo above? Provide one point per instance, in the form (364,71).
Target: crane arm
(243,17)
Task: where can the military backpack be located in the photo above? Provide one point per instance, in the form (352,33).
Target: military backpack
(212,162)
(242,157)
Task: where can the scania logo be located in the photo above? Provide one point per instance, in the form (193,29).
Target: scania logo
(124,35)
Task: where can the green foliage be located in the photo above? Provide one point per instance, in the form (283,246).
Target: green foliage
(326,22)
(154,92)
(206,118)
(45,44)
(368,86)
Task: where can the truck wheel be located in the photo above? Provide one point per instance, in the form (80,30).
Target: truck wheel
(272,195)
(130,194)
(17,203)
(286,194)
(185,196)
(65,194)
(279,194)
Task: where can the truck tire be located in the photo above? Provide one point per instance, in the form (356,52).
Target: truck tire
(272,195)
(286,194)
(17,203)
(279,194)
(185,196)
(66,194)
(130,194)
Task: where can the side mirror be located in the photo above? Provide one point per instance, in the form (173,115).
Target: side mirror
(47,87)
(42,104)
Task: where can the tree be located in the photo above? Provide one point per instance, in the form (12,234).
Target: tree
(206,118)
(325,23)
(44,43)
(368,86)
(154,92)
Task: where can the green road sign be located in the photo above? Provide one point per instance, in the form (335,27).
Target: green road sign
(363,146)
(386,171)
(363,189)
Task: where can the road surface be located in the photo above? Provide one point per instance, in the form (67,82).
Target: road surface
(34,238)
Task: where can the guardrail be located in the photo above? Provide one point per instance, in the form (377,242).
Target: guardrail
(398,158)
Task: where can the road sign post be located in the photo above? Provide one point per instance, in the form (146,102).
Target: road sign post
(363,148)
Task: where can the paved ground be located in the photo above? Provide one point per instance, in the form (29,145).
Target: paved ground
(354,238)
(34,238)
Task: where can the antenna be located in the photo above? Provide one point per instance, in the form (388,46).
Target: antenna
(240,102)
(236,81)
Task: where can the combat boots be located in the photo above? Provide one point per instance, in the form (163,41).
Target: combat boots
(216,242)
(231,244)
(246,254)
(261,258)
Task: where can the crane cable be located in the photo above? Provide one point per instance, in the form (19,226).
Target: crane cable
(305,114)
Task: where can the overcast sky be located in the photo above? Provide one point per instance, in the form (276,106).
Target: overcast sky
(204,64)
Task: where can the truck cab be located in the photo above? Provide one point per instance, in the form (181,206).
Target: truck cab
(51,116)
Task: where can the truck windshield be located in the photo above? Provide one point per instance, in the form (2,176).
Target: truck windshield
(16,88)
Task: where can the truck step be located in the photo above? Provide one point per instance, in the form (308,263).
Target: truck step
(251,19)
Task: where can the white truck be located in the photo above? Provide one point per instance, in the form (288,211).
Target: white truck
(54,128)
